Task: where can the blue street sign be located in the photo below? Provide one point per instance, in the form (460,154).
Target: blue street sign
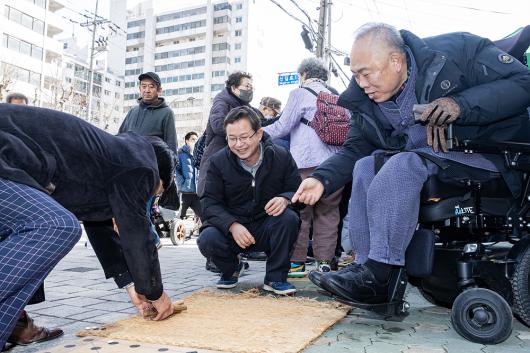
(287,78)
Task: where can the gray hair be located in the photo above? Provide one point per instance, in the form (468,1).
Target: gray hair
(313,68)
(382,33)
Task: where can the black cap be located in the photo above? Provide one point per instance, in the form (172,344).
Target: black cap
(150,75)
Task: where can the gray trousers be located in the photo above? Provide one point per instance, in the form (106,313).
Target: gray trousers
(383,209)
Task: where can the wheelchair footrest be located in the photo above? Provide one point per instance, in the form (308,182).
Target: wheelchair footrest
(393,311)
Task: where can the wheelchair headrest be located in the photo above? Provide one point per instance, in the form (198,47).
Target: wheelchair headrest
(516,44)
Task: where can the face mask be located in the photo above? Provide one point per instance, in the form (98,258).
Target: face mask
(246,95)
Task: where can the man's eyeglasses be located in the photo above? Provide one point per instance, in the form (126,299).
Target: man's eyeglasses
(232,140)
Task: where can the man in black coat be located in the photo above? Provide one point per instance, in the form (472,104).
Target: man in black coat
(246,202)
(404,93)
(56,169)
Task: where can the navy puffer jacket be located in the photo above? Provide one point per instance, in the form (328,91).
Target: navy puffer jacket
(186,173)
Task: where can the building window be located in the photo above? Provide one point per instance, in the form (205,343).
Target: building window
(220,60)
(188,77)
(22,46)
(181,14)
(116,95)
(239,32)
(133,72)
(221,19)
(222,6)
(219,73)
(107,80)
(181,52)
(239,6)
(20,74)
(181,27)
(220,46)
(239,19)
(182,91)
(136,23)
(217,87)
(107,92)
(237,59)
(24,19)
(136,35)
(134,60)
(118,83)
(181,65)
(238,46)
(130,84)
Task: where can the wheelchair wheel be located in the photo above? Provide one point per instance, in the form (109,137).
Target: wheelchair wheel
(521,288)
(482,316)
(177,232)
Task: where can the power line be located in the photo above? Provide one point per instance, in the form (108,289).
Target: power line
(341,70)
(305,13)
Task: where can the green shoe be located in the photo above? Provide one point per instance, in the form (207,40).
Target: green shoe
(297,270)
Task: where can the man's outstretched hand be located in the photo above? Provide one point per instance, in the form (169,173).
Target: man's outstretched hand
(309,192)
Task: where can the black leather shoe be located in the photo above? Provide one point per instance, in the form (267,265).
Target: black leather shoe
(316,276)
(356,283)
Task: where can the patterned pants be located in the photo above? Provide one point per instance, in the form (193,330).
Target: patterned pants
(383,211)
(36,232)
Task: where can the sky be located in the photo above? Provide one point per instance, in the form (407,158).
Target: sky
(493,19)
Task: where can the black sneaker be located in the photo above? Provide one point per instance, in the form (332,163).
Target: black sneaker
(356,284)
(255,256)
(210,266)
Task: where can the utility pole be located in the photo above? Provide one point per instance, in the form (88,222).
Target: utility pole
(327,53)
(321,29)
(98,20)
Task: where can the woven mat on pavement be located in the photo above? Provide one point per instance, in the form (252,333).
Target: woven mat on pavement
(238,323)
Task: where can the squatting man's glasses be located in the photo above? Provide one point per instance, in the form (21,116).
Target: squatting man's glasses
(232,140)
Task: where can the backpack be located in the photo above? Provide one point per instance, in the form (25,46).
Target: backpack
(198,150)
(331,122)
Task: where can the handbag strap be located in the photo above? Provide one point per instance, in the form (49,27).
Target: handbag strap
(304,120)
(311,90)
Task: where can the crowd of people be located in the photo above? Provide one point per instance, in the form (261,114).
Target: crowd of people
(261,180)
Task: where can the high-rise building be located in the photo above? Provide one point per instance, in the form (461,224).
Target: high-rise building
(192,49)
(53,72)
(28,29)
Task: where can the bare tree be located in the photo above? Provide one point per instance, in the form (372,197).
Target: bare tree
(6,80)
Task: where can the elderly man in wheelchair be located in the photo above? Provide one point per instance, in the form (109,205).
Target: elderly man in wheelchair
(454,219)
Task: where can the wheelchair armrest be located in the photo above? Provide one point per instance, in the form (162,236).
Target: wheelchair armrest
(516,154)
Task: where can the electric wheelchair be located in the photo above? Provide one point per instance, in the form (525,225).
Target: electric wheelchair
(471,250)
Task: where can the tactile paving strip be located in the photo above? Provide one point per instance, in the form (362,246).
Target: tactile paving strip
(93,345)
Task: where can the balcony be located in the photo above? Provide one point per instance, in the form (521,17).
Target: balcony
(55,5)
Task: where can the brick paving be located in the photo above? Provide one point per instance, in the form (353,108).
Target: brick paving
(78,296)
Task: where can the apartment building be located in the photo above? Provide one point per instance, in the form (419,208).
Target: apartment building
(54,73)
(28,28)
(192,49)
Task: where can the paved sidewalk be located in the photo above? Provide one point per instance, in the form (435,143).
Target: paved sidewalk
(78,297)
